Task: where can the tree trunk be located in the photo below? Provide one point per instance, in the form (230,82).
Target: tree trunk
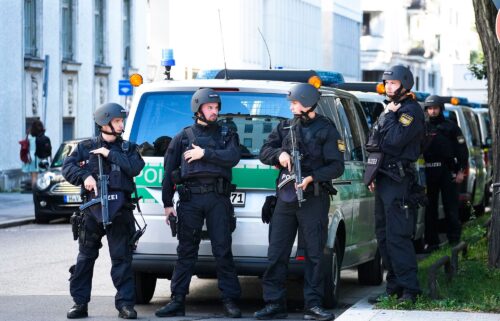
(485,13)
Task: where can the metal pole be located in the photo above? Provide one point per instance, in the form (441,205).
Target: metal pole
(45,88)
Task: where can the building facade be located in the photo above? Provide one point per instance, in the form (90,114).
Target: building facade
(62,59)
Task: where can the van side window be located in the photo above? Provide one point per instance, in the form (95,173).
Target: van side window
(469,117)
(372,111)
(350,119)
(344,130)
(362,119)
(326,107)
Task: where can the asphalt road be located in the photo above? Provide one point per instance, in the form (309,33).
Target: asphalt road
(34,262)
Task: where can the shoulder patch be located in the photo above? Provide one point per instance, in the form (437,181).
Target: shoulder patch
(461,139)
(405,119)
(341,145)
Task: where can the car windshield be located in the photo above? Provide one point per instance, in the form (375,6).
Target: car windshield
(161,116)
(63,151)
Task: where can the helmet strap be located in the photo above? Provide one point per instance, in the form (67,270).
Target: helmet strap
(203,119)
(113,132)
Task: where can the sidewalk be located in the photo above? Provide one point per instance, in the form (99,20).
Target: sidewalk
(16,209)
(364,311)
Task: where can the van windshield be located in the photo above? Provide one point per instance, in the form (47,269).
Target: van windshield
(160,116)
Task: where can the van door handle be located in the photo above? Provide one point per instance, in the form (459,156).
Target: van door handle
(343,182)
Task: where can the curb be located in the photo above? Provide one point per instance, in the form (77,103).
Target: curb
(16,222)
(364,311)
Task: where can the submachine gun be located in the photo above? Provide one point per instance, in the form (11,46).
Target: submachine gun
(103,195)
(296,166)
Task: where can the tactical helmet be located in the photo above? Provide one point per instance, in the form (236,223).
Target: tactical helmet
(104,114)
(434,100)
(401,73)
(203,96)
(306,94)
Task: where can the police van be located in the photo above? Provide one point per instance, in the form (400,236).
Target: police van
(253,103)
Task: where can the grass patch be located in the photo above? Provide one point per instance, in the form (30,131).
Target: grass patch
(474,288)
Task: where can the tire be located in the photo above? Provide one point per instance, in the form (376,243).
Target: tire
(145,285)
(371,272)
(333,263)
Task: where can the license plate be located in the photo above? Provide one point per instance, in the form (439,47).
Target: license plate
(72,199)
(238,199)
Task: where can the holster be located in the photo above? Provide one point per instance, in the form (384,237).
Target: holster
(76,221)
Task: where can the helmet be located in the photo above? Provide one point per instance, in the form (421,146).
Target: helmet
(401,73)
(104,114)
(203,96)
(433,100)
(306,94)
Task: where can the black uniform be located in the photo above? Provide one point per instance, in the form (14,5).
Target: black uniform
(445,153)
(122,164)
(401,133)
(322,158)
(204,195)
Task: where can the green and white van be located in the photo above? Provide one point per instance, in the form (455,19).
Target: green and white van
(254,108)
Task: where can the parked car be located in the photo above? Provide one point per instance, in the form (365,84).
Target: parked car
(53,196)
(471,192)
(482,116)
(253,105)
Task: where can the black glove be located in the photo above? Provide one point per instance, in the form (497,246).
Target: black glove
(268,208)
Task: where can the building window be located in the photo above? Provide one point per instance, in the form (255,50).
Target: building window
(372,75)
(99,31)
(30,28)
(432,80)
(68,29)
(267,128)
(68,128)
(248,128)
(247,142)
(127,58)
(372,23)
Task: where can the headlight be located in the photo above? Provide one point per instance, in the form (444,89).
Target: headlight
(43,181)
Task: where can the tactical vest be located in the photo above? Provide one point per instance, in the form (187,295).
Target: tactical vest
(118,181)
(310,140)
(201,168)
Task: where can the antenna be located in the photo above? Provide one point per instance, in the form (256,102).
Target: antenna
(267,48)
(223,51)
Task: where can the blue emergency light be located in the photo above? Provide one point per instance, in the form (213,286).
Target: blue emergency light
(167,60)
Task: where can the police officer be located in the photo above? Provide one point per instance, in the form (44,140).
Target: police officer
(205,153)
(446,158)
(401,129)
(322,160)
(121,161)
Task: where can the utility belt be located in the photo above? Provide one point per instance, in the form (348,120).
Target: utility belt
(219,186)
(398,170)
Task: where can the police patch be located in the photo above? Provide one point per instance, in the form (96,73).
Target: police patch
(461,139)
(341,145)
(405,119)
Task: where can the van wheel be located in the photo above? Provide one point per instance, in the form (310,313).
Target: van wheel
(371,272)
(333,262)
(145,285)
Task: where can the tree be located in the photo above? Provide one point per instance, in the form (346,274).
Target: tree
(485,13)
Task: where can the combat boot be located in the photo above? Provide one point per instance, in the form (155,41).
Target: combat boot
(173,308)
(318,313)
(271,311)
(78,311)
(231,310)
(127,312)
